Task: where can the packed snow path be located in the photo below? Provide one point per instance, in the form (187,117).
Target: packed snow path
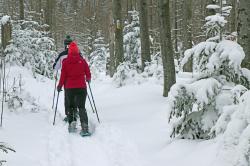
(133,130)
(37,142)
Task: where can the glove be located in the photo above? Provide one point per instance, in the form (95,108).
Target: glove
(59,88)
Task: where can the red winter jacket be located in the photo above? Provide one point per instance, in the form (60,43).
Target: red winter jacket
(75,70)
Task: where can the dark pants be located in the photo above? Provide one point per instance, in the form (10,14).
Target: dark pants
(66,103)
(76,98)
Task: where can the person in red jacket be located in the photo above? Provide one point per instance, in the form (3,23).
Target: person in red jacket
(74,74)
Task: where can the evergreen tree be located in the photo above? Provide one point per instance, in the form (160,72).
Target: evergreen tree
(31,47)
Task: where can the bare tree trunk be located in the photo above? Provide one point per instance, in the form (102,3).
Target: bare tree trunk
(49,12)
(244,30)
(175,35)
(111,46)
(166,46)
(75,5)
(117,15)
(21,9)
(234,16)
(144,34)
(6,31)
(150,15)
(187,21)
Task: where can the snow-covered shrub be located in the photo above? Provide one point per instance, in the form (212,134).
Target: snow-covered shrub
(193,107)
(125,74)
(221,63)
(217,59)
(31,47)
(15,102)
(154,68)
(214,59)
(235,143)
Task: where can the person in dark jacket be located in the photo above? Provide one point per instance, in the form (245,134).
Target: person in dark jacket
(63,54)
(74,74)
(58,65)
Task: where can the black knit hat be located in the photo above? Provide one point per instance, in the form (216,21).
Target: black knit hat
(67,41)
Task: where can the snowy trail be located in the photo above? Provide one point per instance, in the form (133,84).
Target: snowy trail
(59,149)
(39,143)
(133,130)
(45,145)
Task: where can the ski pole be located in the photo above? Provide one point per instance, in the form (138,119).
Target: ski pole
(3,68)
(56,108)
(90,103)
(54,90)
(94,103)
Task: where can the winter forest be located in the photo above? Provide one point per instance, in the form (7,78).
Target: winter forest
(169,85)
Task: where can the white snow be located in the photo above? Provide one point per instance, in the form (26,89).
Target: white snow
(134,129)
(213,6)
(5,19)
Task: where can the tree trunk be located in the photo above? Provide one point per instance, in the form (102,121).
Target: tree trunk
(111,47)
(244,30)
(6,31)
(187,33)
(144,34)
(234,16)
(117,15)
(21,8)
(75,5)
(49,13)
(176,29)
(150,15)
(166,46)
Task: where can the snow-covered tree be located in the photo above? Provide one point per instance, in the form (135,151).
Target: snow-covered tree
(197,106)
(215,24)
(31,47)
(98,58)
(131,40)
(130,71)
(132,45)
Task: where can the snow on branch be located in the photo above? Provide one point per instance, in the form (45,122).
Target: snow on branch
(5,19)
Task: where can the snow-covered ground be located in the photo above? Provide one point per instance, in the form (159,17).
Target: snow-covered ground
(134,129)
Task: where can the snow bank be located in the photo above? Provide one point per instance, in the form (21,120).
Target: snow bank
(235,147)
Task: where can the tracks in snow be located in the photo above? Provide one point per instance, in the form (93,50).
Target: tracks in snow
(107,146)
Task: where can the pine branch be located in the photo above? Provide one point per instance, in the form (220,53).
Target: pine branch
(5,148)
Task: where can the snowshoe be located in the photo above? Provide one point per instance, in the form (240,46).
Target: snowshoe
(85,133)
(72,127)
